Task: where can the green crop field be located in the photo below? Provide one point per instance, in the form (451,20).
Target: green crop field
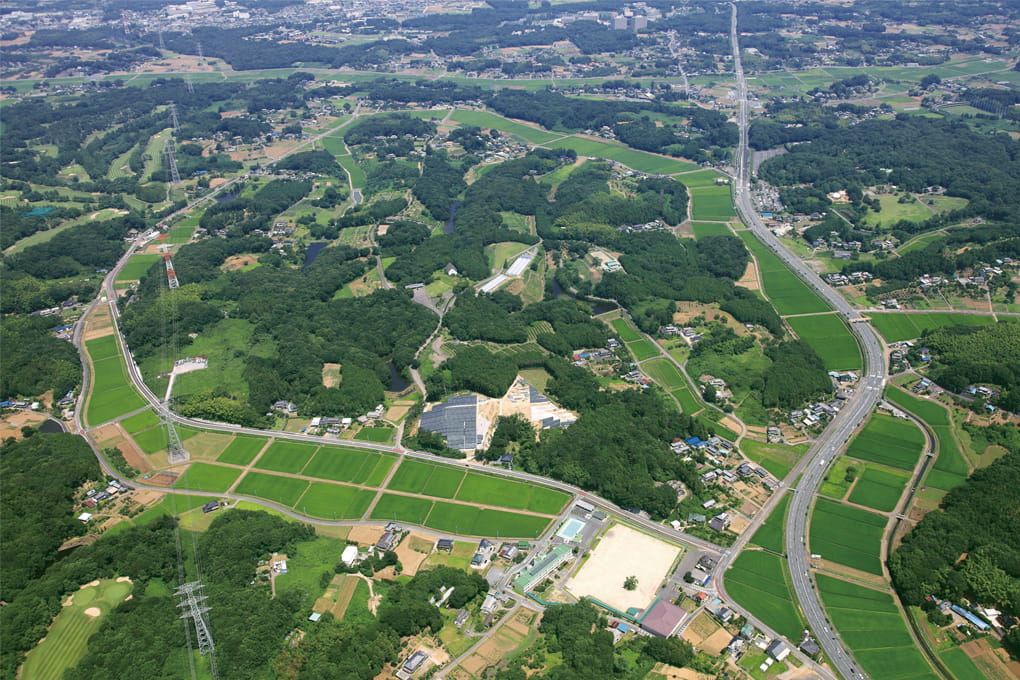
(381,435)
(411,476)
(67,639)
(788,294)
(333,501)
(897,327)
(470,521)
(871,625)
(703,229)
(486,490)
(137,267)
(638,160)
(180,234)
(889,441)
(770,534)
(758,582)
(488,120)
(155,439)
(830,338)
(712,203)
(111,394)
(241,451)
(847,535)
(357,174)
(207,477)
(397,508)
(700,178)
(879,488)
(624,330)
(284,490)
(665,372)
(643,349)
(443,482)
(102,348)
(950,461)
(689,403)
(140,421)
(961,665)
(286,456)
(346,464)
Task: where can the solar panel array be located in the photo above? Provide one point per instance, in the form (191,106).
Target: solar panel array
(456,420)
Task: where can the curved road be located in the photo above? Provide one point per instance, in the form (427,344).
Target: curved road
(828,446)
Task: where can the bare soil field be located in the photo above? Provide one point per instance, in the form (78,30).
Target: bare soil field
(624,552)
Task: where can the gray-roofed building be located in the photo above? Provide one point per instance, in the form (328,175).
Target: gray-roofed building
(456,419)
(662,618)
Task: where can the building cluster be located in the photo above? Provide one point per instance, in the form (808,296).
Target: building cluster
(686,332)
(852,278)
(94,498)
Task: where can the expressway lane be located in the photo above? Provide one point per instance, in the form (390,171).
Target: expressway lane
(869,391)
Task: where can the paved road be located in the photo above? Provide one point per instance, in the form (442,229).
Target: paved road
(828,446)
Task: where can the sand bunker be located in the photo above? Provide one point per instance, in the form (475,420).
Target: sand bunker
(93,612)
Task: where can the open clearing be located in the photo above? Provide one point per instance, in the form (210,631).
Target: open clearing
(896,327)
(871,625)
(624,552)
(757,581)
(848,536)
(830,338)
(67,639)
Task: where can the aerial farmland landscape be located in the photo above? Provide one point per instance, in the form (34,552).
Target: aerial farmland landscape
(508,339)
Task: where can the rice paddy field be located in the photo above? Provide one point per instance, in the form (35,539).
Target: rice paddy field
(623,329)
(848,536)
(788,294)
(111,394)
(889,441)
(137,267)
(488,120)
(208,477)
(897,327)
(703,229)
(951,468)
(830,338)
(758,581)
(712,203)
(664,372)
(879,488)
(873,628)
(643,349)
(770,535)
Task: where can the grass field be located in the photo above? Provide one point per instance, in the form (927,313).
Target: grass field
(889,441)
(286,456)
(665,372)
(180,234)
(847,535)
(788,294)
(624,330)
(961,665)
(67,639)
(207,477)
(111,394)
(893,211)
(487,490)
(770,534)
(898,327)
(402,508)
(712,203)
(778,459)
(871,625)
(332,501)
(879,488)
(703,229)
(283,490)
(700,178)
(950,467)
(643,349)
(137,267)
(758,582)
(830,338)
(638,160)
(241,451)
(380,435)
(346,464)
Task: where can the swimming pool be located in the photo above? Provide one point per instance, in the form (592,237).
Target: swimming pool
(570,529)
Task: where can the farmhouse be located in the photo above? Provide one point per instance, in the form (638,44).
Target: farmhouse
(778,650)
(444,545)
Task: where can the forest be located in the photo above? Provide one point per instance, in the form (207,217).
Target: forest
(968,547)
(34,360)
(968,355)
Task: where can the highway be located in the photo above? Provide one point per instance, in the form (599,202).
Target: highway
(869,391)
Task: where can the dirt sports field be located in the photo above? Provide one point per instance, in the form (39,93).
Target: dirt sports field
(624,552)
